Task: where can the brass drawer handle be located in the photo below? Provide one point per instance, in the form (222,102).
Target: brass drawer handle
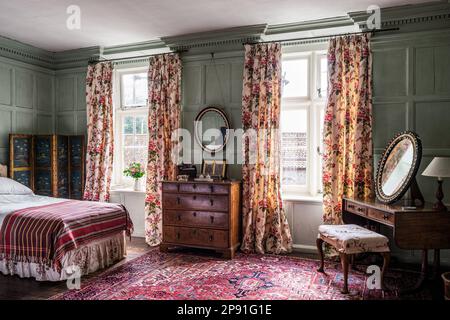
(211,238)
(386,217)
(194,214)
(360,209)
(351,206)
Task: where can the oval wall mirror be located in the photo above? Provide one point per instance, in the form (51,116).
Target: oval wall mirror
(398,167)
(212,129)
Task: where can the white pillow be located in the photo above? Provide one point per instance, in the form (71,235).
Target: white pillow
(9,186)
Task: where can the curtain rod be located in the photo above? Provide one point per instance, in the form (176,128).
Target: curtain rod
(136,57)
(325,36)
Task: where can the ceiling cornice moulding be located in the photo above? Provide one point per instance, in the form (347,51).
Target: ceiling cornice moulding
(409,18)
(216,38)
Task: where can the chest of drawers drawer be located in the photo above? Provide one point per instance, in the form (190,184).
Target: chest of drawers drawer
(196,236)
(196,218)
(196,188)
(196,202)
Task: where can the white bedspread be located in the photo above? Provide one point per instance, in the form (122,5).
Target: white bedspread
(11,203)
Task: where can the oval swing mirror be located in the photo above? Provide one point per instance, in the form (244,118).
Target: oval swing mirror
(398,167)
(212,129)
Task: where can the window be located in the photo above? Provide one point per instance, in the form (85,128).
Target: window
(131,118)
(134,89)
(304,90)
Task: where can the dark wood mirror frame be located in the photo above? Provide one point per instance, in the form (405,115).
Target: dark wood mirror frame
(410,182)
(199,118)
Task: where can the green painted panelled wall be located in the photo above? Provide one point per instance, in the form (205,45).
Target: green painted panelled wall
(411,76)
(27,101)
(217,82)
(70,111)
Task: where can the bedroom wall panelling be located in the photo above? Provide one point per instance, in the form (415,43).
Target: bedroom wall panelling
(27,101)
(217,82)
(411,76)
(70,109)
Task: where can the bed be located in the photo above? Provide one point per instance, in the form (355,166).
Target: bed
(49,238)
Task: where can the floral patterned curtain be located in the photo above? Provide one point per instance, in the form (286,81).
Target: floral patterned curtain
(100,144)
(264,221)
(348,154)
(164,92)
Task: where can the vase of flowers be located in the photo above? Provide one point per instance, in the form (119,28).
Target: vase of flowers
(135,171)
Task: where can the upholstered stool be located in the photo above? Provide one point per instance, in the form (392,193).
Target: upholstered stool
(350,239)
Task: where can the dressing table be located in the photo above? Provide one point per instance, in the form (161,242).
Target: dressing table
(400,206)
(420,229)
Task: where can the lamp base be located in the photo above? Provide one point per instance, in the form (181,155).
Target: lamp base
(439,205)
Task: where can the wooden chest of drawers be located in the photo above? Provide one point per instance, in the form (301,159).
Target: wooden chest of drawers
(201,215)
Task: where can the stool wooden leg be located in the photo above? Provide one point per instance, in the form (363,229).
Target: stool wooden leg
(386,260)
(319,243)
(344,262)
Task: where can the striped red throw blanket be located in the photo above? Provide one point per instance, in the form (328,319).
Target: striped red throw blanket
(45,234)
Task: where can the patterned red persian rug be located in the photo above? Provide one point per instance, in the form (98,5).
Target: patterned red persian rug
(165,276)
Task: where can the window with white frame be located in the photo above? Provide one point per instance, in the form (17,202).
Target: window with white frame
(131,122)
(304,93)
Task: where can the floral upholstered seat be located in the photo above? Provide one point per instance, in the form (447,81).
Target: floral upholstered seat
(352,239)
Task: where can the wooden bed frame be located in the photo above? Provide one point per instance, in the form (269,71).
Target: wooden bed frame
(3,171)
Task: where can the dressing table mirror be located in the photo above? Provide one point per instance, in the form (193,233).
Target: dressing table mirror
(397,169)
(212,129)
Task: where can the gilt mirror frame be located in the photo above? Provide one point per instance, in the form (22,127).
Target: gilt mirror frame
(411,176)
(223,115)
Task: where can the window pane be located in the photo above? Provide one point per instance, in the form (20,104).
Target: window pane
(295,78)
(294,146)
(127,90)
(128,125)
(141,140)
(128,156)
(140,123)
(128,140)
(141,89)
(134,89)
(323,76)
(141,156)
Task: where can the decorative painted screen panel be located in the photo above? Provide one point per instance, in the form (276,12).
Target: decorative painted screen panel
(23,177)
(21,159)
(51,165)
(62,171)
(76,161)
(43,165)
(43,182)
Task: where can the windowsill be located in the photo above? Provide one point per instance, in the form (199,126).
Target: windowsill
(124,189)
(305,198)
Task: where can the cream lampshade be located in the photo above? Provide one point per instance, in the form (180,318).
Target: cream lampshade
(439,167)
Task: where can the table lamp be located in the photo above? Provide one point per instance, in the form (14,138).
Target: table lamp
(439,167)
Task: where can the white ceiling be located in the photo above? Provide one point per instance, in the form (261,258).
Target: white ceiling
(42,23)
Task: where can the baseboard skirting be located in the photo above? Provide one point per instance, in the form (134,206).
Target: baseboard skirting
(304,248)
